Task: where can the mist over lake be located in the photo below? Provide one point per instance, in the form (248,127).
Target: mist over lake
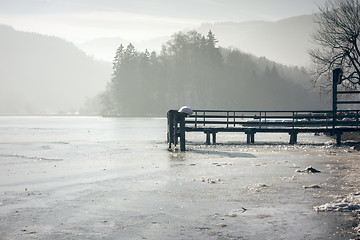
(204,68)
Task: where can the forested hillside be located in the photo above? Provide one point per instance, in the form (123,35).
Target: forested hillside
(191,70)
(45,75)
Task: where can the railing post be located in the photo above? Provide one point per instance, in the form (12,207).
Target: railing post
(327,120)
(265,116)
(260,120)
(182,131)
(227,119)
(195,119)
(337,75)
(204,118)
(234,119)
(293,120)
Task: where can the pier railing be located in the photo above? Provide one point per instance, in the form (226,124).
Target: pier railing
(201,119)
(250,122)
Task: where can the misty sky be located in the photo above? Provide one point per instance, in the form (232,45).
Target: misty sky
(136,20)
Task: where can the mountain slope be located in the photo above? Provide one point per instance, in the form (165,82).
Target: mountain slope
(45,75)
(285,41)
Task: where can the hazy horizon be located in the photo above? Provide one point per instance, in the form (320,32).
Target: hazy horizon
(80,21)
(43,74)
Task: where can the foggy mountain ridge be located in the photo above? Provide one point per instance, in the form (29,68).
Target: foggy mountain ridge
(45,75)
(285,41)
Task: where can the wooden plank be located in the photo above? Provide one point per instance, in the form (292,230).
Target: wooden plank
(273,130)
(348,102)
(268,123)
(347,92)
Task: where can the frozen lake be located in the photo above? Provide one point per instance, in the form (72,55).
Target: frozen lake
(113,178)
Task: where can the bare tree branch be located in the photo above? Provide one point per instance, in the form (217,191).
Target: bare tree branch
(337,38)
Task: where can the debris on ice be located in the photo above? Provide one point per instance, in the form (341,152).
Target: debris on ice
(308,170)
(312,186)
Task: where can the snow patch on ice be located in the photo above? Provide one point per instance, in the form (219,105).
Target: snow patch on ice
(348,204)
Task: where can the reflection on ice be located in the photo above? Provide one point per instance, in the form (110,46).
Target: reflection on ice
(228,154)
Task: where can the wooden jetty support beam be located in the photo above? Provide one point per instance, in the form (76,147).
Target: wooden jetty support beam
(176,129)
(208,137)
(338,138)
(250,136)
(209,132)
(293,137)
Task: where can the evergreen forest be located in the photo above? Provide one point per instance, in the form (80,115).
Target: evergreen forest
(193,70)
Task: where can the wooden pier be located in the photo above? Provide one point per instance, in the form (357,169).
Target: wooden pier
(211,122)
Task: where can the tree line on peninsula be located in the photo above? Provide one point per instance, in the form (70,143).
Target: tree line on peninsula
(193,70)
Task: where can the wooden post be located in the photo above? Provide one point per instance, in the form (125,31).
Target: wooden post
(248,137)
(182,132)
(207,137)
(252,137)
(170,133)
(168,129)
(338,138)
(175,130)
(214,138)
(293,137)
(337,75)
